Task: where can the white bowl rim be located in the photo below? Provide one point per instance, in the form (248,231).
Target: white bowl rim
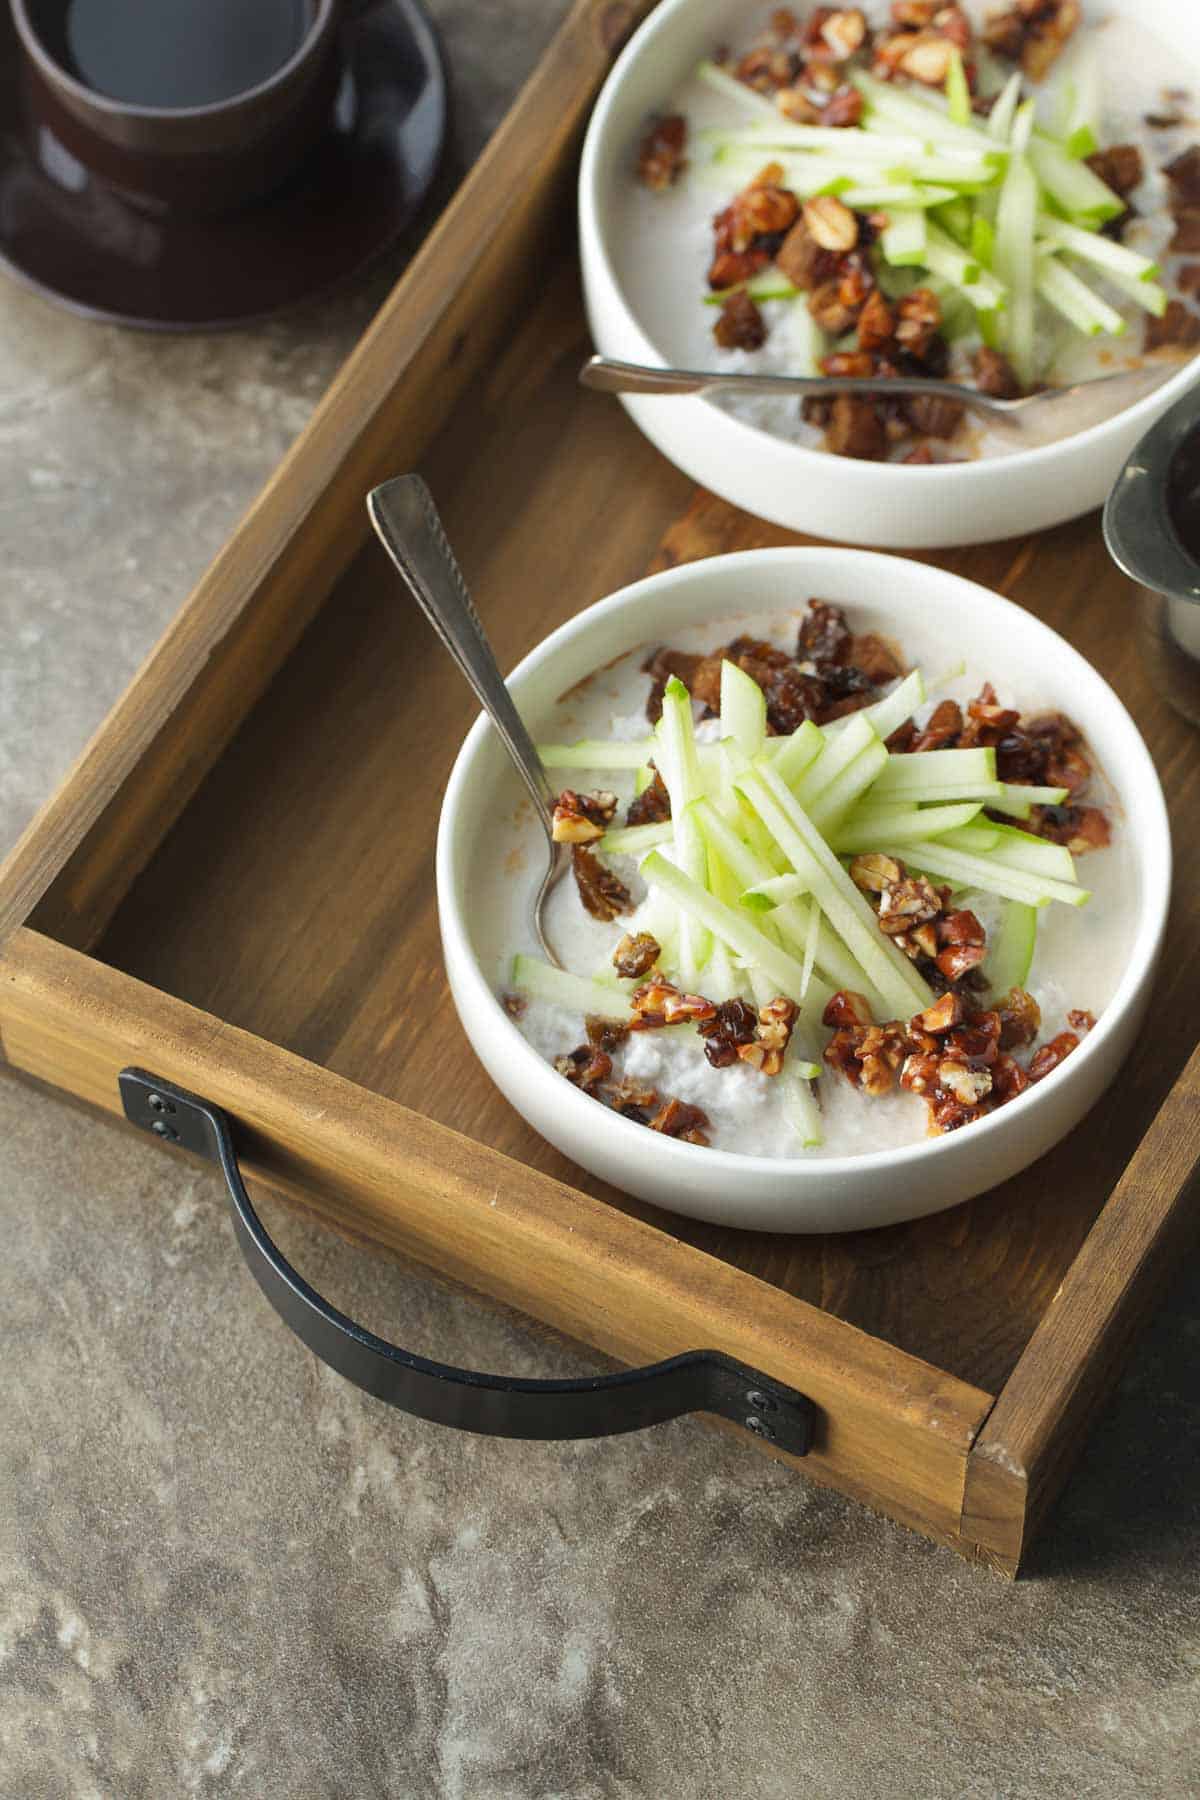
(1145,409)
(1152,830)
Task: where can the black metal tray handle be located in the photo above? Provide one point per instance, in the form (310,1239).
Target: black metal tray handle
(498,1405)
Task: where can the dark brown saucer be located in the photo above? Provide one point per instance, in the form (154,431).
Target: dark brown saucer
(78,241)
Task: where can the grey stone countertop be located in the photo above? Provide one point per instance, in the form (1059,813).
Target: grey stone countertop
(224,1571)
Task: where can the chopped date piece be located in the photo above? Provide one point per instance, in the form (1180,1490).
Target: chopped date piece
(603,894)
(761,210)
(660,667)
(733,1024)
(824,634)
(585,1067)
(856,429)
(772,1035)
(1179,325)
(1184,242)
(855,363)
(795,105)
(740,325)
(1050,1055)
(605,1034)
(870,653)
(730,269)
(679,1120)
(1080,828)
(902,739)
(995,375)
(934,415)
(1119,167)
(660,159)
(1033,32)
(1184,176)
(941,729)
(1020,1019)
(1082,1022)
(653,805)
(636,955)
(801,259)
(1187,278)
(582,818)
(515,1005)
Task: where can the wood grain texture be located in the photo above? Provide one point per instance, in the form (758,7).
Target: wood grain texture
(891,1430)
(428,343)
(336,953)
(1150,1223)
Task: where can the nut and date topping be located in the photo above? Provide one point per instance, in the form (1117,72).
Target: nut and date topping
(582,818)
(832,225)
(604,895)
(636,954)
(657,1003)
(660,159)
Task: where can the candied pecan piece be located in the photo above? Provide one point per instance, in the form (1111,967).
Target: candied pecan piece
(1008,1079)
(948,1114)
(740,325)
(831,223)
(876,322)
(603,894)
(920,1072)
(661,159)
(605,1034)
(943,1015)
(824,634)
(733,1024)
(876,1075)
(1047,34)
(1020,1019)
(632,1099)
(582,818)
(679,1120)
(966,1085)
(1004,33)
(846,1008)
(829,310)
(975,1041)
(1119,167)
(1081,1022)
(955,960)
(907,903)
(844,107)
(1050,1055)
(871,654)
(801,259)
(873,872)
(772,1035)
(765,69)
(515,1005)
(652,806)
(761,210)
(933,415)
(1183,173)
(585,1067)
(636,954)
(1080,828)
(1178,325)
(914,15)
(795,105)
(918,321)
(941,729)
(855,428)
(924,56)
(994,374)
(658,1002)
(848,362)
(730,269)
(844,32)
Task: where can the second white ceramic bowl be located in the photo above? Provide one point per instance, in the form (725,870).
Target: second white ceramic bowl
(808,489)
(888,594)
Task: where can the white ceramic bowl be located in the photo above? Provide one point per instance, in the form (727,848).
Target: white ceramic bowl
(844,1193)
(795,486)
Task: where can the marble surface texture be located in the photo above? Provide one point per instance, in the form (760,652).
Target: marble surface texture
(223,1571)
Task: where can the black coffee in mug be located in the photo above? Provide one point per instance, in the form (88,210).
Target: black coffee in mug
(172,53)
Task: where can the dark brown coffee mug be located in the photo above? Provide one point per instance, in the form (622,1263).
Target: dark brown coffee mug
(205,159)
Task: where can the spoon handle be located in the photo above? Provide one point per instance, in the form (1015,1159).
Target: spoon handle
(610,376)
(403,514)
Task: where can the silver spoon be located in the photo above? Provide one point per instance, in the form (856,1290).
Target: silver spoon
(1039,418)
(403,513)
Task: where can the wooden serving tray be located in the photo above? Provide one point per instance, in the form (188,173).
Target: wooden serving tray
(234,889)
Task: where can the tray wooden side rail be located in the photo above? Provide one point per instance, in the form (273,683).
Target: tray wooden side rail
(234,890)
